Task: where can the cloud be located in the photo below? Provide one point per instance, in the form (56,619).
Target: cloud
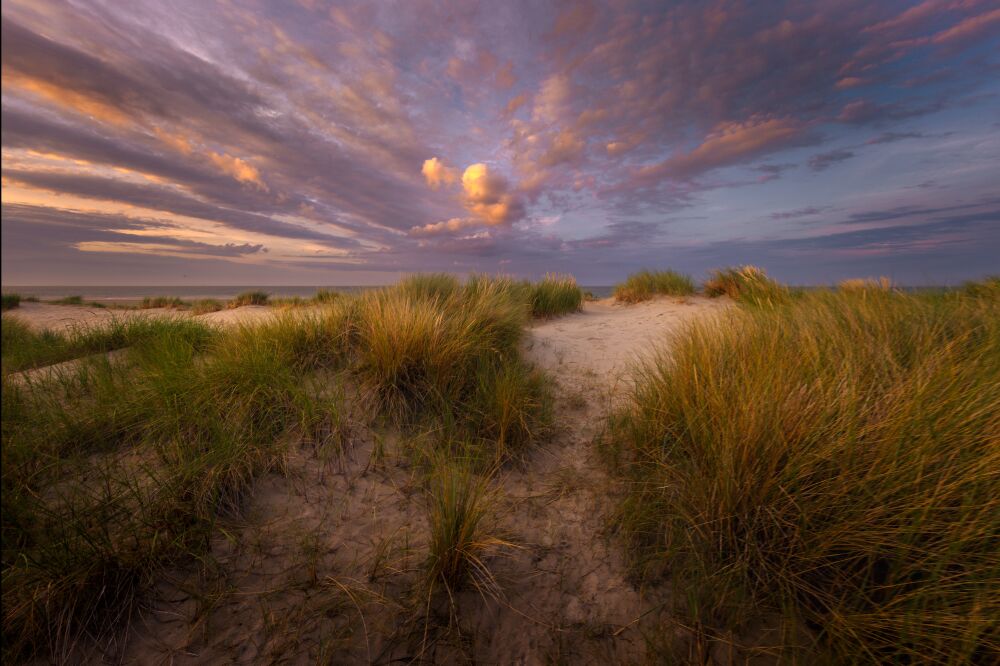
(239,169)
(728,144)
(484,193)
(822,161)
(488,196)
(892,137)
(437,174)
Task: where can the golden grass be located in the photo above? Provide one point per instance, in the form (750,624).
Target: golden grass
(834,459)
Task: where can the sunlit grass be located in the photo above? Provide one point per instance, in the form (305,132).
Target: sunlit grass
(25,348)
(249,298)
(747,284)
(834,459)
(645,284)
(116,468)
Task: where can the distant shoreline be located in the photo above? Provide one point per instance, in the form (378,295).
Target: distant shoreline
(133,295)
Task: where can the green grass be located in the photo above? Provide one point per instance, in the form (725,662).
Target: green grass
(746,284)
(68,300)
(206,305)
(832,460)
(10,301)
(25,348)
(250,298)
(162,302)
(459,514)
(555,295)
(645,284)
(115,470)
(325,296)
(988,287)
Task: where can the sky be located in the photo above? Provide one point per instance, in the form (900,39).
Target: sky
(311,143)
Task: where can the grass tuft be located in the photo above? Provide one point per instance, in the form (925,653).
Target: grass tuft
(461,534)
(834,460)
(10,301)
(645,284)
(206,305)
(150,302)
(555,295)
(746,284)
(250,298)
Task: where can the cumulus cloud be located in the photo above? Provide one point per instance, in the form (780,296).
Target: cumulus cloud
(437,174)
(486,194)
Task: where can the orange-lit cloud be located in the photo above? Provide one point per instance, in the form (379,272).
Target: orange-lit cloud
(729,143)
(485,194)
(437,174)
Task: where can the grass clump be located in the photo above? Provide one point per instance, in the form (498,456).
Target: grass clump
(834,460)
(555,295)
(988,287)
(250,298)
(430,286)
(150,302)
(9,301)
(183,428)
(459,515)
(747,284)
(325,296)
(645,284)
(206,305)
(25,348)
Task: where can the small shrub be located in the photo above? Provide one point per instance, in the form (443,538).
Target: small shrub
(250,298)
(68,300)
(645,284)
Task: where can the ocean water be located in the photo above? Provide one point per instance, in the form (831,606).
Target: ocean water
(126,295)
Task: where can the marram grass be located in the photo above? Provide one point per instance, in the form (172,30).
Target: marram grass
(115,469)
(645,284)
(835,459)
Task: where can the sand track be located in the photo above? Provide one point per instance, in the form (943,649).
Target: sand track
(322,567)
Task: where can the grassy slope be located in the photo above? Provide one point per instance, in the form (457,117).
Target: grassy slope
(834,458)
(112,472)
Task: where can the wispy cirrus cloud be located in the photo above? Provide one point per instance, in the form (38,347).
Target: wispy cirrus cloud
(352,136)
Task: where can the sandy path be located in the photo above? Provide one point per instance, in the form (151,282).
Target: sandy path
(41,316)
(324,566)
(568,596)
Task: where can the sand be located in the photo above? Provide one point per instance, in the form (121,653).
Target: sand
(41,316)
(323,566)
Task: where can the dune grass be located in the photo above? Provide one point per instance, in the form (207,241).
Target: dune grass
(460,512)
(150,302)
(833,460)
(746,284)
(113,471)
(325,296)
(645,284)
(10,301)
(988,287)
(206,305)
(554,295)
(24,348)
(249,298)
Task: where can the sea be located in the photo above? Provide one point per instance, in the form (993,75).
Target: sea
(123,295)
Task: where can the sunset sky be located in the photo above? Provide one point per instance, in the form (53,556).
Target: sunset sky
(240,142)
